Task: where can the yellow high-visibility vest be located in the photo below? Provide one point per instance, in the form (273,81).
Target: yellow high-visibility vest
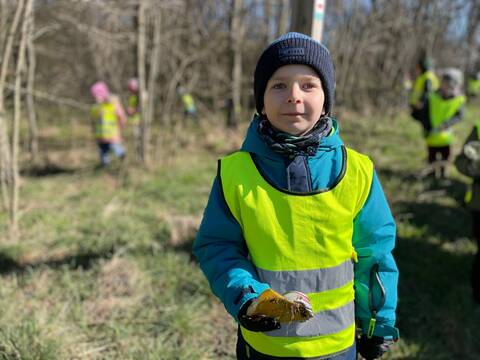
(134,118)
(106,121)
(188,102)
(419,86)
(441,110)
(301,242)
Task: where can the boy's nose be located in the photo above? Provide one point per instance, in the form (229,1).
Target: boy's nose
(294,95)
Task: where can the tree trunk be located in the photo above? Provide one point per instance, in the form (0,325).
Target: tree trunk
(142,86)
(32,117)
(14,189)
(5,157)
(302,12)
(284,13)
(471,41)
(236,35)
(152,78)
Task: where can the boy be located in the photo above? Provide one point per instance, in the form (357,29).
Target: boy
(443,109)
(109,118)
(296,212)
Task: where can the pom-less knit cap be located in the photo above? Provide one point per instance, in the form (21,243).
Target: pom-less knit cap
(100,91)
(294,48)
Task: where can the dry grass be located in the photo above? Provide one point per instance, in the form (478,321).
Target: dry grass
(103,267)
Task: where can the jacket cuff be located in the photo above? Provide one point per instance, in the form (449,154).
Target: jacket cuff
(381,330)
(249,293)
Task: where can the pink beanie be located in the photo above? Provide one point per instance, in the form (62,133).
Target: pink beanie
(133,85)
(100,91)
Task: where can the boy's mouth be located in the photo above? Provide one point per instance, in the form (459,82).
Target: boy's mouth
(293,114)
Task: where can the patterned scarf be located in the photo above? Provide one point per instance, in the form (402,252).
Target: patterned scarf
(292,145)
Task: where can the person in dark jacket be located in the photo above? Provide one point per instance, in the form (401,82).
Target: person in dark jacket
(296,212)
(468,163)
(425,82)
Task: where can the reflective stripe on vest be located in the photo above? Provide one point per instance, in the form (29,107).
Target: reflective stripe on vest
(441,110)
(419,86)
(106,123)
(301,242)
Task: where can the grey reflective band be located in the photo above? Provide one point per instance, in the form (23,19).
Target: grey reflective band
(323,323)
(308,281)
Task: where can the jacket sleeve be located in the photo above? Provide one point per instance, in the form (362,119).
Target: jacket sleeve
(223,256)
(376,274)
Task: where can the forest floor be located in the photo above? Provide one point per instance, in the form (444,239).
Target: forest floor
(102,267)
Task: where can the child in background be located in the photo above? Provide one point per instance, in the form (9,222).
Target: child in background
(468,163)
(133,105)
(133,111)
(189,108)
(425,82)
(109,118)
(297,213)
(444,108)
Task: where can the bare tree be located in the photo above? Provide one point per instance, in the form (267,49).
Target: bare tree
(302,12)
(283,17)
(14,183)
(142,77)
(237,33)
(5,154)
(31,60)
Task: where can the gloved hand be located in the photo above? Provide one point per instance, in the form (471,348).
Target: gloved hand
(256,322)
(374,347)
(292,306)
(268,310)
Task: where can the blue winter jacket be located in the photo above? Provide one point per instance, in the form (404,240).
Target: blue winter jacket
(223,255)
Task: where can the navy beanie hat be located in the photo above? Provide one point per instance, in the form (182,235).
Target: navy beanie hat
(294,48)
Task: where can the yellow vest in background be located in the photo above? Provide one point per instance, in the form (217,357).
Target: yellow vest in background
(419,86)
(106,122)
(473,87)
(441,110)
(188,102)
(301,242)
(134,118)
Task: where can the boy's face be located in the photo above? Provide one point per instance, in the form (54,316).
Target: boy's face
(447,88)
(293,99)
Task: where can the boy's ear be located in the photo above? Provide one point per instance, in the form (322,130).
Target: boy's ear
(263,112)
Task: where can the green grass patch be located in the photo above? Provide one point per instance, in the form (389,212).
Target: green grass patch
(103,270)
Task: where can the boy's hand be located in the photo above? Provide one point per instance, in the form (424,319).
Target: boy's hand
(374,347)
(292,306)
(258,322)
(270,309)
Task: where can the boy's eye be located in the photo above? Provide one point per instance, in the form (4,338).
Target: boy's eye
(278,86)
(309,86)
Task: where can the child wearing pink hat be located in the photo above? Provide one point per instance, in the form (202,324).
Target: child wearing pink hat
(109,119)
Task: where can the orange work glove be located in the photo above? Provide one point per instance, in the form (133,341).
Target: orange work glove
(292,306)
